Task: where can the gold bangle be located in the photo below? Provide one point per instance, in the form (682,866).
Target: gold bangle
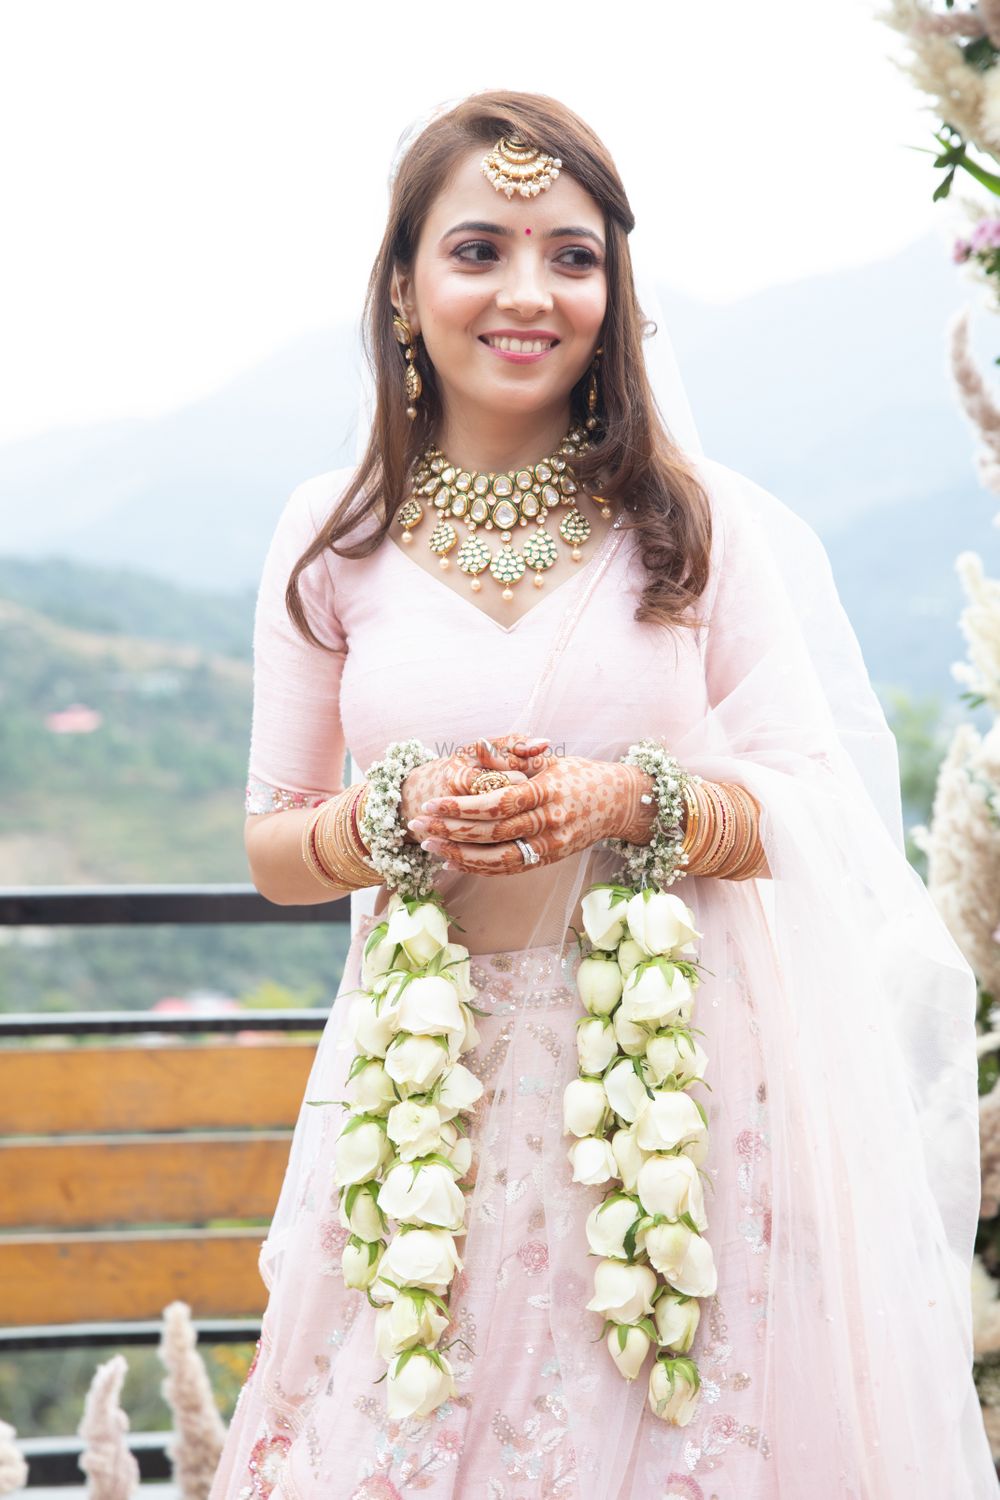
(718,856)
(309,855)
(755,859)
(704,833)
(742,832)
(691,825)
(335,847)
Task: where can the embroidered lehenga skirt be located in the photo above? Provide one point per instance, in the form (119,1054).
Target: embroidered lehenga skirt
(541,1411)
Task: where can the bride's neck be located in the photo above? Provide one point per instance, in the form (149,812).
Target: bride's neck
(507,443)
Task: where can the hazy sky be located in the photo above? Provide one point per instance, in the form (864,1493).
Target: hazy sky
(188,185)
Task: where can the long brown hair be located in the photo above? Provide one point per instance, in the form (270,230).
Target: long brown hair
(631,462)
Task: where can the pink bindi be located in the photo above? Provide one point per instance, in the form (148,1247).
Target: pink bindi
(527,231)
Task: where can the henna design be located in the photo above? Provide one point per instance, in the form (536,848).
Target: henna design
(569,805)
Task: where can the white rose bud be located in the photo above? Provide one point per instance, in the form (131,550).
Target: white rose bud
(630,953)
(429,1006)
(697,1150)
(411,1319)
(461,1155)
(673,1390)
(422,932)
(661,923)
(379,954)
(629,1157)
(677,1320)
(420,1258)
(423,1194)
(456,1147)
(656,993)
(457,968)
(599,982)
(370,1090)
(420,1380)
(585,1107)
(361,1153)
(364,1219)
(625,1089)
(667,1119)
(676,1056)
(631,1037)
(670,1185)
(603,923)
(360,1262)
(622,1293)
(371,1030)
(459,1089)
(682,1257)
(609,1223)
(414,1128)
(592,1161)
(628,1347)
(470,1036)
(415,1063)
(595,1044)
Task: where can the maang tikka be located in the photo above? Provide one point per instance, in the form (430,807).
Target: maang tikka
(515,167)
(414,385)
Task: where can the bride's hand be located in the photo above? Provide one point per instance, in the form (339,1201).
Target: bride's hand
(454,774)
(566,807)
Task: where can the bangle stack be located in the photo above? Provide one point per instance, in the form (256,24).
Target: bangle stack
(332,846)
(700,827)
(722,834)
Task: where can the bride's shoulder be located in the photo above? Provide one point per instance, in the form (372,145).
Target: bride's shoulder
(314,501)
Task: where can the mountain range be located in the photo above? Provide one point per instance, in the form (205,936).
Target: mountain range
(832,392)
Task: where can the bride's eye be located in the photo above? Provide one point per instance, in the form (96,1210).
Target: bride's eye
(474,245)
(586,264)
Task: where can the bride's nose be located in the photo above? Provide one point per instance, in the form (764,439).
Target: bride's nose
(525,289)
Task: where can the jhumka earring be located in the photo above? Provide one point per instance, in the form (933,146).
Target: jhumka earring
(414,385)
(591,422)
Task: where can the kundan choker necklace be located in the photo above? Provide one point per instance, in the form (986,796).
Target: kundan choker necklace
(500,503)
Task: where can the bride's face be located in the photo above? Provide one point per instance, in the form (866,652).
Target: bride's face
(489,268)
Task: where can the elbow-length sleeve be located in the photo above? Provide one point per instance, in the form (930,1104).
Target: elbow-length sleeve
(297,744)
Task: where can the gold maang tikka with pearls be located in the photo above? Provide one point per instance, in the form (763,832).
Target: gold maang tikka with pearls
(515,167)
(520,499)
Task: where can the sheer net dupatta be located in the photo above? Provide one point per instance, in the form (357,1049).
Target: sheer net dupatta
(862,1009)
(845,1004)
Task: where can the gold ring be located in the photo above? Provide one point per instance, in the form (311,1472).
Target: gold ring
(488,781)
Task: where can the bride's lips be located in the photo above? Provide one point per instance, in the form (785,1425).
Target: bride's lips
(519,358)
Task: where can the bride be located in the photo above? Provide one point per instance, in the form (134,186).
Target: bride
(556,638)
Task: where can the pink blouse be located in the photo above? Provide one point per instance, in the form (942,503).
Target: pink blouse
(411,656)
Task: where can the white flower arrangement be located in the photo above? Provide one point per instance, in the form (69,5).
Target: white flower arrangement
(661,860)
(403,1150)
(635,1125)
(403,867)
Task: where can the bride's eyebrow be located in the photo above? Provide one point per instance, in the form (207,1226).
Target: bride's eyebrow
(481,226)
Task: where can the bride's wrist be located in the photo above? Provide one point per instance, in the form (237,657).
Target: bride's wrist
(634,817)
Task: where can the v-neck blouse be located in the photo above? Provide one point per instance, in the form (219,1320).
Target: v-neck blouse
(411,656)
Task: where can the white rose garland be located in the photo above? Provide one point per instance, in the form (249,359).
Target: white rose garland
(403,1149)
(637,1128)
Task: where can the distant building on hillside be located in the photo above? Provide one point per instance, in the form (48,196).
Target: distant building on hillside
(77,719)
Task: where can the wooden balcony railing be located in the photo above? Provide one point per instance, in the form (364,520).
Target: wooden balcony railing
(124,1162)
